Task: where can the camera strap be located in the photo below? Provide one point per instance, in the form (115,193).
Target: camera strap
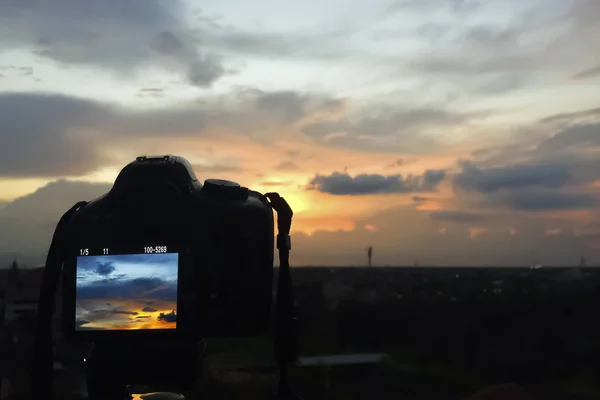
(285,343)
(43,359)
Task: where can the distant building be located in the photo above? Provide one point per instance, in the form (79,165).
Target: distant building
(336,288)
(569,275)
(19,318)
(21,296)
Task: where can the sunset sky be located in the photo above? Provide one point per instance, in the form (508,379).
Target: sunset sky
(452,132)
(133,291)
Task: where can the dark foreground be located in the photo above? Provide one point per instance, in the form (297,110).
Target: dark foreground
(448,332)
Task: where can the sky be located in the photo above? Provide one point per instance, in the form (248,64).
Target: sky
(132,291)
(443,132)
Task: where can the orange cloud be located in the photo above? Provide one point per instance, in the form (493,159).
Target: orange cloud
(131,314)
(476,231)
(310,225)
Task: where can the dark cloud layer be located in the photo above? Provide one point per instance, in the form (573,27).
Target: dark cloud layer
(72,136)
(122,37)
(105,269)
(544,200)
(570,117)
(124,312)
(49,135)
(510,177)
(140,288)
(572,149)
(44,135)
(589,73)
(28,222)
(343,184)
(577,136)
(553,171)
(168,317)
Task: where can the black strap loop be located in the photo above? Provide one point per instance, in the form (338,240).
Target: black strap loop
(286,344)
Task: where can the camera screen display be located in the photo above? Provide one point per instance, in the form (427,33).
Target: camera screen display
(126,290)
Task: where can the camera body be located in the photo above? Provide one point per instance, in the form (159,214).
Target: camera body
(162,254)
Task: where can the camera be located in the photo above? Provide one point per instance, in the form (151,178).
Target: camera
(162,254)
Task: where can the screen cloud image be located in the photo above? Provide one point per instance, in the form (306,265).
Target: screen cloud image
(126,292)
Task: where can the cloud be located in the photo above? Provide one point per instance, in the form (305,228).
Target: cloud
(517,51)
(546,172)
(76,136)
(200,168)
(510,177)
(170,317)
(567,158)
(405,234)
(386,122)
(588,73)
(53,130)
(143,316)
(204,71)
(123,312)
(418,200)
(398,163)
(571,116)
(152,92)
(81,322)
(431,179)
(459,7)
(287,166)
(290,106)
(273,183)
(388,128)
(317,43)
(149,309)
(140,288)
(105,268)
(110,35)
(343,184)
(543,200)
(456,216)
(578,136)
(28,222)
(147,283)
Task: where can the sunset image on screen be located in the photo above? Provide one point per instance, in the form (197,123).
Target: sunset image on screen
(126,292)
